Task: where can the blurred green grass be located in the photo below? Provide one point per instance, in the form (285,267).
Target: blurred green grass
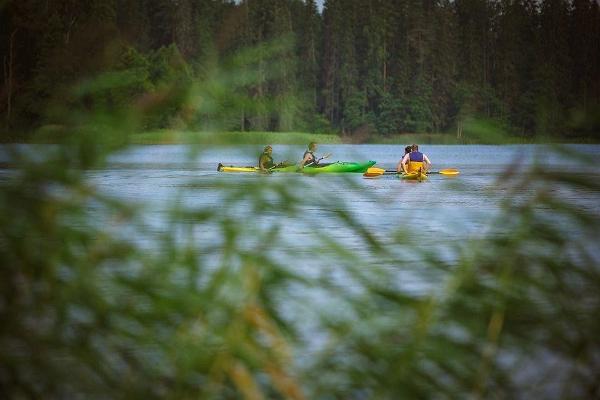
(482,133)
(231,138)
(96,302)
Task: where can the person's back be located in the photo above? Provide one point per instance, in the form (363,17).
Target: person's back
(415,161)
(407,150)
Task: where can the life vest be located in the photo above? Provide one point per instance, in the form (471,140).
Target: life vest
(415,161)
(313,159)
(269,163)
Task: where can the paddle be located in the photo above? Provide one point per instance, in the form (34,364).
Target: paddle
(374,171)
(319,160)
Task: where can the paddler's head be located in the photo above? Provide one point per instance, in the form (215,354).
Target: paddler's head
(312,146)
(268,150)
(407,149)
(414,147)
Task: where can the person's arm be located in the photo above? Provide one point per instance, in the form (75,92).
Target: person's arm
(305,160)
(427,162)
(261,163)
(403,162)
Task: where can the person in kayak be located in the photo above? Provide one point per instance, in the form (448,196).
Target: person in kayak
(413,161)
(309,157)
(265,161)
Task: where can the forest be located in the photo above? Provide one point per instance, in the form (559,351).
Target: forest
(375,67)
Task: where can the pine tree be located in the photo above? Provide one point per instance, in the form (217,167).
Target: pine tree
(444,65)
(378,32)
(133,20)
(307,22)
(582,47)
(27,35)
(340,67)
(283,87)
(419,42)
(554,64)
(184,34)
(161,15)
(515,62)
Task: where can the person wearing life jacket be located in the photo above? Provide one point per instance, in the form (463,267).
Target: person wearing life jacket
(414,161)
(309,158)
(265,161)
(407,150)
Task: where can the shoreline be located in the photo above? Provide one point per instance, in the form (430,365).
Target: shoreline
(232,138)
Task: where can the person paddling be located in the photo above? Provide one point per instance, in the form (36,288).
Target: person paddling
(265,161)
(413,161)
(309,158)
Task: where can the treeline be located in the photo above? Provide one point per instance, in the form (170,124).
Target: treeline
(374,66)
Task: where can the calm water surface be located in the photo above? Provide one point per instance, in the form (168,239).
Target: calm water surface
(443,206)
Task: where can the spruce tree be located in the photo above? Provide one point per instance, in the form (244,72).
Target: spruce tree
(554,63)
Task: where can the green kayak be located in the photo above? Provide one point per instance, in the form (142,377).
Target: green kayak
(336,167)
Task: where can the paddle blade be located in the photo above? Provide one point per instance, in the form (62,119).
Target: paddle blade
(449,171)
(375,170)
(372,174)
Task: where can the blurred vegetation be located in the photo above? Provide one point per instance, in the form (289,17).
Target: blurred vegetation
(231,138)
(97,303)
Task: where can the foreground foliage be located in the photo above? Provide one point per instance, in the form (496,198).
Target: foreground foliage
(96,301)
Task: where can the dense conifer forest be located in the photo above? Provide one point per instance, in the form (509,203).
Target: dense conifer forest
(357,66)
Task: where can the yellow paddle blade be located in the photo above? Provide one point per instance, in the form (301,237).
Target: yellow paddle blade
(375,171)
(449,171)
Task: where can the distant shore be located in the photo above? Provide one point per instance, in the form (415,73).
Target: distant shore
(170,136)
(233,138)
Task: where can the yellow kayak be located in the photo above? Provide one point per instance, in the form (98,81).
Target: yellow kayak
(419,175)
(224,168)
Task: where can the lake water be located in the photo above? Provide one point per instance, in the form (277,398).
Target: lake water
(442,212)
(443,208)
